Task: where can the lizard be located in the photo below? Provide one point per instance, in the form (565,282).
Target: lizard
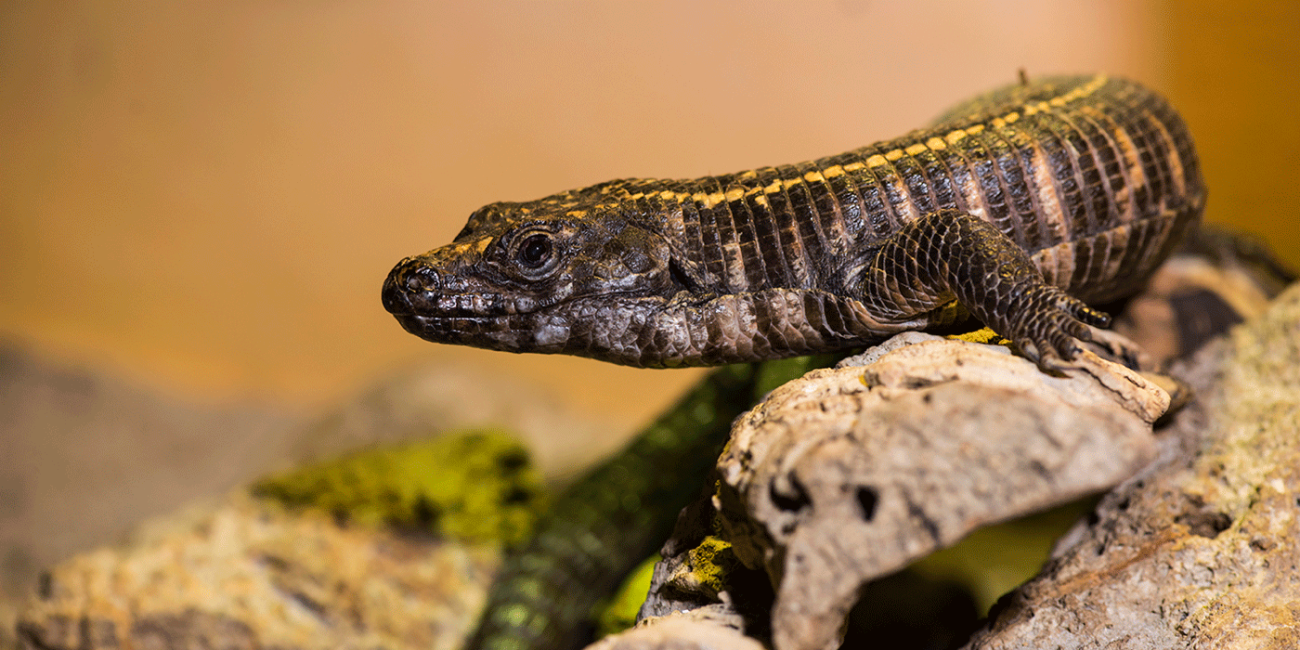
(1018,207)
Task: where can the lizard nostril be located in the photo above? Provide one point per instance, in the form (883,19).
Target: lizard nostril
(408,281)
(421,279)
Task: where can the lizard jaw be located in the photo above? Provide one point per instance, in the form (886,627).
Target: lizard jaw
(550,329)
(443,308)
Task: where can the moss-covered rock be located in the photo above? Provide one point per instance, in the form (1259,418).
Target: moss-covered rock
(476,486)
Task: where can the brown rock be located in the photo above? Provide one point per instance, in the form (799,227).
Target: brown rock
(86,453)
(679,631)
(244,574)
(849,474)
(1202,550)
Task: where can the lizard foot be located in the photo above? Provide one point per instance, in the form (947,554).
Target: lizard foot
(1052,325)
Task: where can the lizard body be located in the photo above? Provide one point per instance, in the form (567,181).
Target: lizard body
(1017,208)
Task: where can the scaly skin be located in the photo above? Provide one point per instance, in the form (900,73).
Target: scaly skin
(1016,209)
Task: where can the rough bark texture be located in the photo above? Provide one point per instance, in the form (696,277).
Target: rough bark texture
(1202,550)
(679,631)
(850,474)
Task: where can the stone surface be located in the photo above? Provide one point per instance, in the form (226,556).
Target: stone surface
(694,630)
(850,474)
(246,574)
(85,454)
(1202,550)
(476,485)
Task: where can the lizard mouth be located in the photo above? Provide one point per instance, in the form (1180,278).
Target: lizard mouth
(416,296)
(417,292)
(449,307)
(489,321)
(443,308)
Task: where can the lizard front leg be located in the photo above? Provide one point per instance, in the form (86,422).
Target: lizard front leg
(952,256)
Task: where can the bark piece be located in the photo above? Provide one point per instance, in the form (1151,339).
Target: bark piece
(1200,550)
(693,630)
(1219,278)
(849,474)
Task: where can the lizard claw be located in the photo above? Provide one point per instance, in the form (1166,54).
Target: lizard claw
(1055,327)
(1051,326)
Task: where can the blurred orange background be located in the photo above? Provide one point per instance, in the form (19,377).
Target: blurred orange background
(208,195)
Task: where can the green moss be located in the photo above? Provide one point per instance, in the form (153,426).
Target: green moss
(619,613)
(477,486)
(711,562)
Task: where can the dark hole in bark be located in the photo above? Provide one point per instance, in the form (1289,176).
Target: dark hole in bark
(426,513)
(512,461)
(1205,523)
(517,495)
(868,499)
(911,610)
(795,499)
(1201,315)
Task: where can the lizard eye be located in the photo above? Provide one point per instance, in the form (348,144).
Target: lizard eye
(535,251)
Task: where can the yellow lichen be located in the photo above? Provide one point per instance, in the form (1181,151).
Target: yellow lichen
(983,335)
(477,486)
(711,562)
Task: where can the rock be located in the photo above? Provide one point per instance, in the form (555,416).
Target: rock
(476,485)
(247,574)
(1202,549)
(93,453)
(850,474)
(86,453)
(695,630)
(1218,279)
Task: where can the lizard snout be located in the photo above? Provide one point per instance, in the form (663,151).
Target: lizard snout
(410,277)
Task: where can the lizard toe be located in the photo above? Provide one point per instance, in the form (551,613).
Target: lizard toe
(1052,326)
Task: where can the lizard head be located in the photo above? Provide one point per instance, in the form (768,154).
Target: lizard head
(536,277)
